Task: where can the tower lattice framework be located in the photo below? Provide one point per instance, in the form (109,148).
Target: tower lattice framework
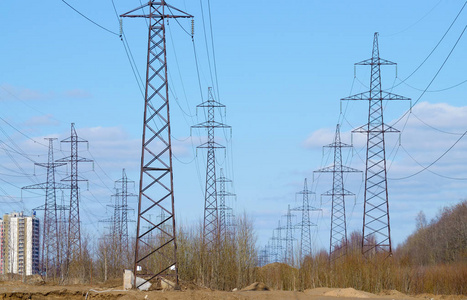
(211,214)
(156,256)
(305,224)
(122,213)
(224,222)
(289,237)
(338,236)
(376,223)
(51,254)
(74,231)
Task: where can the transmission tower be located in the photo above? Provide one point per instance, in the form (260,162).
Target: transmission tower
(123,194)
(74,232)
(156,173)
(288,258)
(224,210)
(62,235)
(211,221)
(305,224)
(376,224)
(51,258)
(279,249)
(338,238)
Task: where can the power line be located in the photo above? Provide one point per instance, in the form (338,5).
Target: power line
(81,14)
(424,16)
(434,162)
(434,77)
(444,35)
(436,91)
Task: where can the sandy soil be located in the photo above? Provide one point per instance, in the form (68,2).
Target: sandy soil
(18,290)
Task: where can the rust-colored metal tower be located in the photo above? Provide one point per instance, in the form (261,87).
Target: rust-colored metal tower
(74,232)
(51,254)
(211,216)
(376,224)
(156,257)
(338,237)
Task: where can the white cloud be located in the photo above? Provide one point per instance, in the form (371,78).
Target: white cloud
(42,120)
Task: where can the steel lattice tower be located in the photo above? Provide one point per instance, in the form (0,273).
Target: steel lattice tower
(123,194)
(62,234)
(74,232)
(338,237)
(376,224)
(224,223)
(51,255)
(211,217)
(275,247)
(278,238)
(118,231)
(157,257)
(305,224)
(288,259)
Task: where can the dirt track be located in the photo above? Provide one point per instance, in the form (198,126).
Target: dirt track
(15,290)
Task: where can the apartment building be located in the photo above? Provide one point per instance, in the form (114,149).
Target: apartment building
(19,246)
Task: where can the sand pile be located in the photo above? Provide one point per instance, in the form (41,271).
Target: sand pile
(349,292)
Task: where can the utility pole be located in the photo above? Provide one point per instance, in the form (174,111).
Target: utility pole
(50,234)
(305,224)
(376,224)
(156,173)
(74,232)
(338,238)
(211,220)
(224,210)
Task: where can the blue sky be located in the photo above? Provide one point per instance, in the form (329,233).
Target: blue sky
(281,70)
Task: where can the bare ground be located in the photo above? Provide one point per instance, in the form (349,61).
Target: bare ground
(19,290)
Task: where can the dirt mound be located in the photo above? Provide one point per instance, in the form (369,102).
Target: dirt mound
(395,293)
(257,286)
(276,266)
(34,280)
(349,292)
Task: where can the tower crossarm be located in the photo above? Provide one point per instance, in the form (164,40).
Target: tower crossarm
(343,192)
(46,185)
(334,168)
(371,62)
(379,96)
(158,12)
(384,128)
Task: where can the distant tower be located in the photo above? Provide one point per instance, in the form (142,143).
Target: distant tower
(305,224)
(50,234)
(338,238)
(74,232)
(123,194)
(62,234)
(376,228)
(278,248)
(158,257)
(211,220)
(118,230)
(289,258)
(224,210)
